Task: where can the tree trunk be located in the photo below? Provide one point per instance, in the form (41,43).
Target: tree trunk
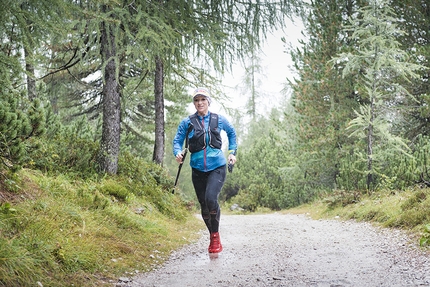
(370,141)
(28,56)
(158,154)
(253,96)
(29,68)
(109,146)
(369,156)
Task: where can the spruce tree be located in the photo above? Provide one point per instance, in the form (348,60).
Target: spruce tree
(379,62)
(322,100)
(216,32)
(415,15)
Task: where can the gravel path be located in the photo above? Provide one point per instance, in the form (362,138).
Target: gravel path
(294,250)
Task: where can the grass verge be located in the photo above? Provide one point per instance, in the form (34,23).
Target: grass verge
(58,231)
(408,210)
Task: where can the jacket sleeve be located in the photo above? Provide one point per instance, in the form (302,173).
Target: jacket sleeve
(178,140)
(231,134)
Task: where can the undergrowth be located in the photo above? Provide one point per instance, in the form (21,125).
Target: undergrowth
(407,210)
(68,231)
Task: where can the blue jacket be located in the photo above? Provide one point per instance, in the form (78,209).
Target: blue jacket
(209,158)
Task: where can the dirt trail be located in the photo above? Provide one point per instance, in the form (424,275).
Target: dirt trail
(293,250)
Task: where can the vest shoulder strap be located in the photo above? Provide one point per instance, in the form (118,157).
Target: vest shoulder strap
(213,121)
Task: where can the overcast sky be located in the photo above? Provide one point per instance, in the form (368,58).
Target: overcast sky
(276,64)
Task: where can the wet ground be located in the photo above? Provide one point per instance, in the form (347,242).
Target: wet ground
(293,250)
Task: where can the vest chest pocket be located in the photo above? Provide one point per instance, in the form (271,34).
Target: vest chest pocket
(198,141)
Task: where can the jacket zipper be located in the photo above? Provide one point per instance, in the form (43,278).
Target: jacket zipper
(204,150)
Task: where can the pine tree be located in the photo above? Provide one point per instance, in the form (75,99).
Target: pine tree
(21,114)
(17,126)
(169,30)
(252,81)
(322,100)
(379,61)
(415,118)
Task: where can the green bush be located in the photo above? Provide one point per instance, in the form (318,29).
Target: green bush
(249,198)
(20,122)
(342,198)
(415,200)
(63,154)
(414,209)
(272,199)
(425,238)
(115,189)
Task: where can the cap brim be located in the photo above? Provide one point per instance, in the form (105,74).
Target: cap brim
(200,94)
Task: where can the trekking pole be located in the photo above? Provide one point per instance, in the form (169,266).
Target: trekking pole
(184,154)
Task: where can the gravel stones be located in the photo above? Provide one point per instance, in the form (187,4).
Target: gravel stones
(293,250)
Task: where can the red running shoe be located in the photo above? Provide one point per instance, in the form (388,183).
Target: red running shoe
(215,245)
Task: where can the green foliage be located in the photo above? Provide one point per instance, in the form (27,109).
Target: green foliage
(395,169)
(258,180)
(66,154)
(75,228)
(66,149)
(322,103)
(351,171)
(17,127)
(22,29)
(383,64)
(341,198)
(325,156)
(417,169)
(425,239)
(115,189)
(250,198)
(7,208)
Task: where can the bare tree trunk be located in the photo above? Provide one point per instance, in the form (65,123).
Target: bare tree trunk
(109,146)
(28,56)
(370,144)
(29,68)
(369,156)
(253,96)
(158,154)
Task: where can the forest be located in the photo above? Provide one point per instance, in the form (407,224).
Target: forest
(93,90)
(111,78)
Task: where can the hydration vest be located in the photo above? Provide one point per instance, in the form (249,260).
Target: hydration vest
(198,141)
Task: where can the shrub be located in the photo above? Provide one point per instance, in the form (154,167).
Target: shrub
(66,154)
(342,198)
(425,239)
(115,189)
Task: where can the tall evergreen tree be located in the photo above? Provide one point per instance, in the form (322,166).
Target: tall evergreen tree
(109,145)
(414,119)
(23,29)
(379,61)
(105,50)
(173,29)
(159,147)
(251,82)
(322,99)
